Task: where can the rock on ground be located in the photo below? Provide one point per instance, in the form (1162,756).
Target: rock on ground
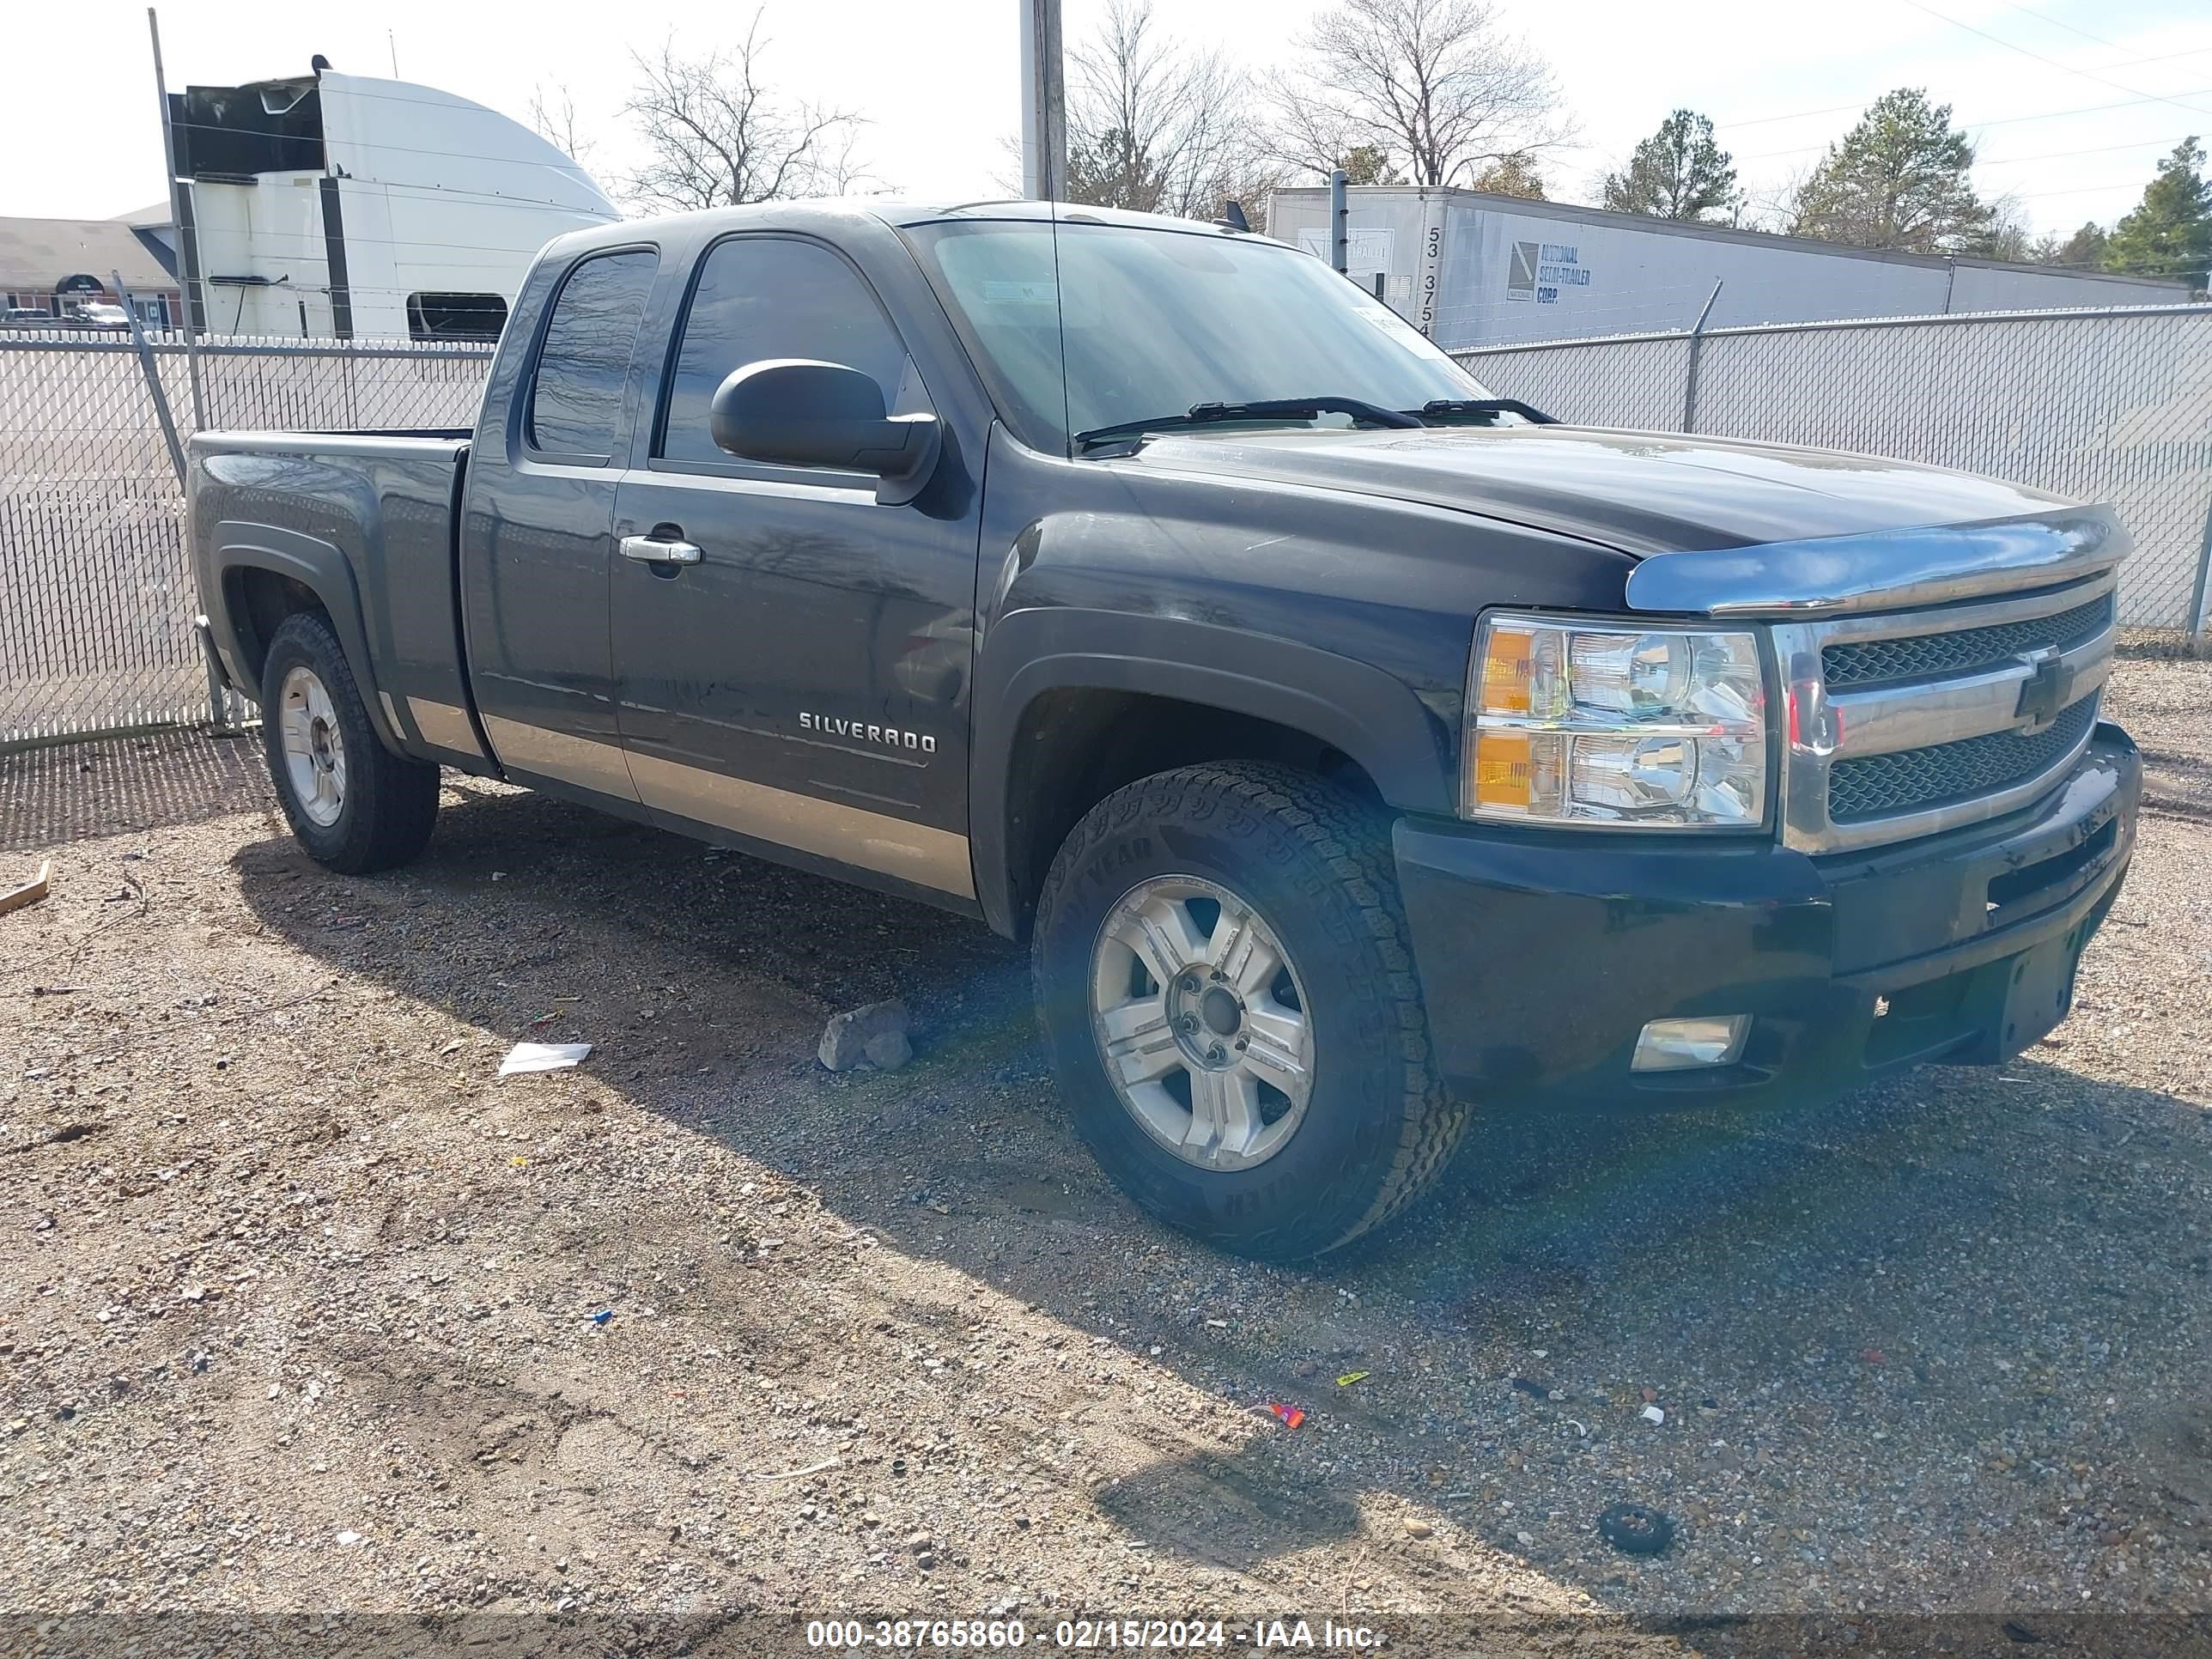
(860,1033)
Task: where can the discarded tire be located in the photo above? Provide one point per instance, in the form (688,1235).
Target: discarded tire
(1634,1530)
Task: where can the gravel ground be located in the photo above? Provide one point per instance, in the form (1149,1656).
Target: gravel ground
(300,1313)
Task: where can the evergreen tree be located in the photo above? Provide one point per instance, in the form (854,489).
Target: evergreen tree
(2083,251)
(1368,164)
(1678,173)
(1898,178)
(2170,232)
(1514,175)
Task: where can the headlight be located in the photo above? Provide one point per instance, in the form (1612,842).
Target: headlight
(1619,724)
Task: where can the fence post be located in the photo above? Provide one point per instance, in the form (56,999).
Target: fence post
(2200,640)
(1339,241)
(187,231)
(1697,351)
(153,381)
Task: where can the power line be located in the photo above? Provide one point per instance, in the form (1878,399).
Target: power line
(2000,161)
(413,149)
(2059,23)
(2147,98)
(2094,109)
(315,238)
(2053,63)
(2077,189)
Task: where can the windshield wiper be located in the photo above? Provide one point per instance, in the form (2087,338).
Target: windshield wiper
(1272,409)
(1445,407)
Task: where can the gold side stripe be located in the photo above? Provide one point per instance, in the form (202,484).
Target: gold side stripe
(584,762)
(935,859)
(443,724)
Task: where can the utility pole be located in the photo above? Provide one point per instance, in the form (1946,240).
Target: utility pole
(1044,103)
(182,228)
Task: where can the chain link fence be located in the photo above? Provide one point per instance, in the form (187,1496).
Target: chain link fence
(96,595)
(2110,406)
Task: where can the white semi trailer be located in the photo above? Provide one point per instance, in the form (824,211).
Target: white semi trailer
(1472,269)
(350,206)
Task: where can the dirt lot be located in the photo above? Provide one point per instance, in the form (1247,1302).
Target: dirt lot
(299,1306)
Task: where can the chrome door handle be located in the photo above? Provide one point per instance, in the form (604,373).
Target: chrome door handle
(651,550)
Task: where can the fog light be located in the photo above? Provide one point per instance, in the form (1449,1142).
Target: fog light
(1677,1045)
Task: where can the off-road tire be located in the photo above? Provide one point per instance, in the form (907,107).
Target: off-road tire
(1315,861)
(389,804)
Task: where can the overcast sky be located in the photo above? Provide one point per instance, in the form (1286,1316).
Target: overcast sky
(2071,101)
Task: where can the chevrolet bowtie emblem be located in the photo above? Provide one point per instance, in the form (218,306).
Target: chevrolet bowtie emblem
(2047,689)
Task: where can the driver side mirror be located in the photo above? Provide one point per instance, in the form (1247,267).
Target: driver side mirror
(791,411)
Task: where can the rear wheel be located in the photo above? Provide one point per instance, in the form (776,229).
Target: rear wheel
(354,806)
(1228,994)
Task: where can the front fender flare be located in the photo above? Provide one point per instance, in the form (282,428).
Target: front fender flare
(1370,716)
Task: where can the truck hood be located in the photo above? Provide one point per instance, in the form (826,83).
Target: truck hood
(1638,493)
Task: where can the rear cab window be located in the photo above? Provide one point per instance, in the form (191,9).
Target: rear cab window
(583,362)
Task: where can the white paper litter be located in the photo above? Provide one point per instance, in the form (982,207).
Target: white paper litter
(542,1057)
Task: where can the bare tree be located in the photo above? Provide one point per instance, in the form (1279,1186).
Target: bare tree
(555,119)
(2009,235)
(715,136)
(1434,84)
(1154,125)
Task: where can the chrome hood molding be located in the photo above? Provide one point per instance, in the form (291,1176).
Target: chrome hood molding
(1882,570)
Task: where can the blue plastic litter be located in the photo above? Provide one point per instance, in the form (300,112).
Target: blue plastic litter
(603,1315)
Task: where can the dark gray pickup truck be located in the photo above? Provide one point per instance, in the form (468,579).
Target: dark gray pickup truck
(1353,746)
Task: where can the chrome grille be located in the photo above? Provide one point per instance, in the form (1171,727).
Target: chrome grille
(1908,723)
(1939,774)
(1927,656)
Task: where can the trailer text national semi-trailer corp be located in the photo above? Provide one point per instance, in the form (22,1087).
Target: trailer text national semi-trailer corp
(1472,269)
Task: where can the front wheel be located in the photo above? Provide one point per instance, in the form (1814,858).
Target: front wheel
(354,806)
(1227,991)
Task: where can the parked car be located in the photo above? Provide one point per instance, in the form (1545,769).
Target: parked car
(97,315)
(1348,744)
(25,317)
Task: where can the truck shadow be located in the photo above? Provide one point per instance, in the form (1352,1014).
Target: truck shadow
(1898,1315)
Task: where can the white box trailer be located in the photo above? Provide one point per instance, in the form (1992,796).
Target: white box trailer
(1472,269)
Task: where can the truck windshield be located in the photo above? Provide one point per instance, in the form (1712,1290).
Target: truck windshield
(1128,323)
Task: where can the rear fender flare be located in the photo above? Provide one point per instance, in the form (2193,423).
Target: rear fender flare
(324,571)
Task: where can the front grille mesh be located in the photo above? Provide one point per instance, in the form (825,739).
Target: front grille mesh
(1929,656)
(1915,780)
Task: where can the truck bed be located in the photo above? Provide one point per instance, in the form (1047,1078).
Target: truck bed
(378,509)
